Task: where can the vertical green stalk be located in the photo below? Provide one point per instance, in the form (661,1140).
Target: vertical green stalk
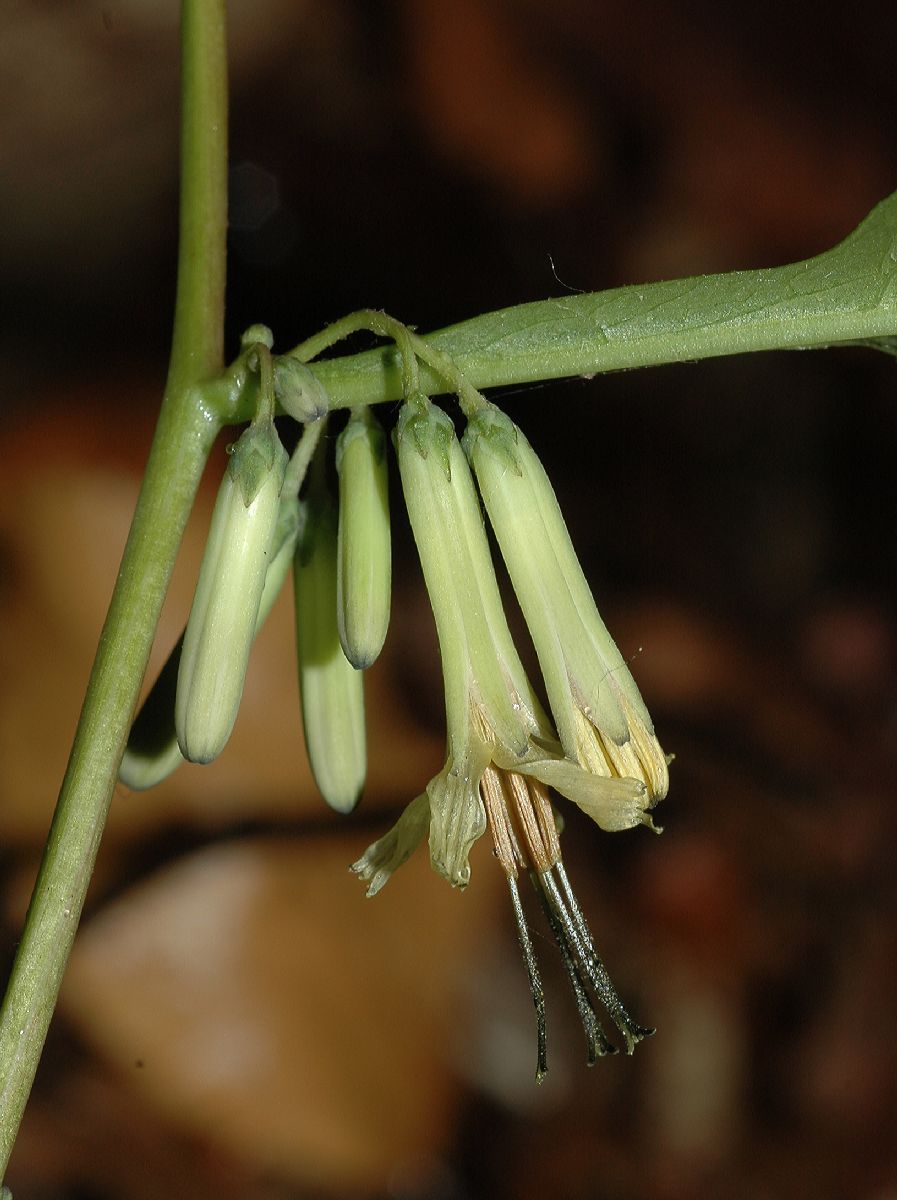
(183,438)
(197,344)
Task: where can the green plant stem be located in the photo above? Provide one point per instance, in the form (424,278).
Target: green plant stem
(183,438)
(302,456)
(197,343)
(846,295)
(408,346)
(372,321)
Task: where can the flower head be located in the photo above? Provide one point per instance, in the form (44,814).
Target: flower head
(601,718)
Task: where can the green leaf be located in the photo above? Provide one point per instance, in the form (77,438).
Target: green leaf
(847,295)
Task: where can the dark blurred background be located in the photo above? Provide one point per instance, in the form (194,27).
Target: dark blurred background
(238,1021)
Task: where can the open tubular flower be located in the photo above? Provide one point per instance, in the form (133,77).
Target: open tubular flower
(601,718)
(521,821)
(492,714)
(229,591)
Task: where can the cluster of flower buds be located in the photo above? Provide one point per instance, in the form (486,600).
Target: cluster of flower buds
(505,754)
(342,579)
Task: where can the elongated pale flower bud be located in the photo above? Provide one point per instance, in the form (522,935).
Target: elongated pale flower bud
(332,690)
(225,607)
(152,752)
(600,716)
(364,574)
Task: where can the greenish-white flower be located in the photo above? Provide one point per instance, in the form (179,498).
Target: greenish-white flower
(492,715)
(599,713)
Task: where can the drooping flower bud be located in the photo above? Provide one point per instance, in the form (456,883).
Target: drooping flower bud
(228,594)
(332,690)
(364,574)
(298,390)
(152,752)
(600,715)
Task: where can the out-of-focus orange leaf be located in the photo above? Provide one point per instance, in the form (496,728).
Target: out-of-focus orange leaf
(256,997)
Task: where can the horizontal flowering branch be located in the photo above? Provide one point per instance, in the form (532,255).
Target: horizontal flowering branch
(846,295)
